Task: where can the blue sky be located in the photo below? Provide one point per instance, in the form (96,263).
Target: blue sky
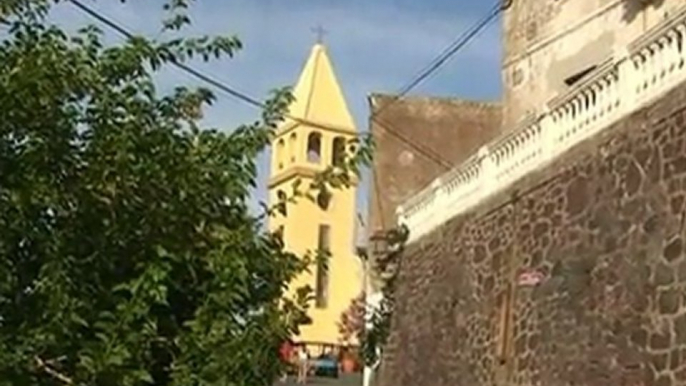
(375,45)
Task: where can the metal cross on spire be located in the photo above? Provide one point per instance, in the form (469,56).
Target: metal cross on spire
(320,31)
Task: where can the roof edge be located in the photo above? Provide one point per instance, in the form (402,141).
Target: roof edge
(376,98)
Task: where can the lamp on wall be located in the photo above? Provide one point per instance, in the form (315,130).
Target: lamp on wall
(378,243)
(382,248)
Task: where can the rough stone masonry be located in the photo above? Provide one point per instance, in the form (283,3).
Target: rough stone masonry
(606,225)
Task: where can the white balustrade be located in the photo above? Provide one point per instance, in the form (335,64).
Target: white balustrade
(658,58)
(464,183)
(516,154)
(584,109)
(651,66)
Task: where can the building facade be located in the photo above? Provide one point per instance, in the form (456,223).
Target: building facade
(549,46)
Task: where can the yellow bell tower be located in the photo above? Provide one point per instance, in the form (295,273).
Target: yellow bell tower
(299,151)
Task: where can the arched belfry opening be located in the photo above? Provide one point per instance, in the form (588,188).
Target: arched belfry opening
(338,151)
(314,147)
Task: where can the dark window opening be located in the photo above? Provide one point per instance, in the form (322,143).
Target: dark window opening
(323,199)
(574,79)
(314,147)
(323,267)
(338,153)
(280,148)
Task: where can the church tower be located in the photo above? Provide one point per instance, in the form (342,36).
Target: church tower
(301,150)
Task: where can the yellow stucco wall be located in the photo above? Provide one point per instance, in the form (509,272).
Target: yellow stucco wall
(318,99)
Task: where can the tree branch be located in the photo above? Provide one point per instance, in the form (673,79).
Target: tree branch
(52,372)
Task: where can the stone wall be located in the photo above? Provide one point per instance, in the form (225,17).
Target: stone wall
(605,224)
(419,139)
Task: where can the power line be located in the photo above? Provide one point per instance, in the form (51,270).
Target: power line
(254,102)
(460,42)
(428,153)
(121,30)
(433,156)
(195,73)
(242,96)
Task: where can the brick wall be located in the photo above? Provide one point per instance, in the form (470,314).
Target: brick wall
(606,226)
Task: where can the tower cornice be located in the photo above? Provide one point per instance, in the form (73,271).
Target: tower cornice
(300,171)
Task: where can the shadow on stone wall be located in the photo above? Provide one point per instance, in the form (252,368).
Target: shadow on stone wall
(633,8)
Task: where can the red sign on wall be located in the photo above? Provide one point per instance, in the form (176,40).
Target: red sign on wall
(530,278)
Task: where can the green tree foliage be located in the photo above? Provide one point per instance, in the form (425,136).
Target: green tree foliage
(387,266)
(128,255)
(351,323)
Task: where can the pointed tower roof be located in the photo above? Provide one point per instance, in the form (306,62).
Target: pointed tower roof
(318,95)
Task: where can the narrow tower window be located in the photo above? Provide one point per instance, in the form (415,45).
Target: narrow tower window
(314,147)
(323,267)
(280,148)
(292,146)
(338,153)
(324,199)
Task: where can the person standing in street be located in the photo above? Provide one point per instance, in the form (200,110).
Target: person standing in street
(303,359)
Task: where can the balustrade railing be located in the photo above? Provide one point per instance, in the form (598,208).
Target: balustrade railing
(651,66)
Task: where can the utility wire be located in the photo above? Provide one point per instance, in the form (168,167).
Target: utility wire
(195,73)
(244,97)
(433,156)
(460,42)
(454,47)
(427,152)
(121,30)
(431,68)
(254,102)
